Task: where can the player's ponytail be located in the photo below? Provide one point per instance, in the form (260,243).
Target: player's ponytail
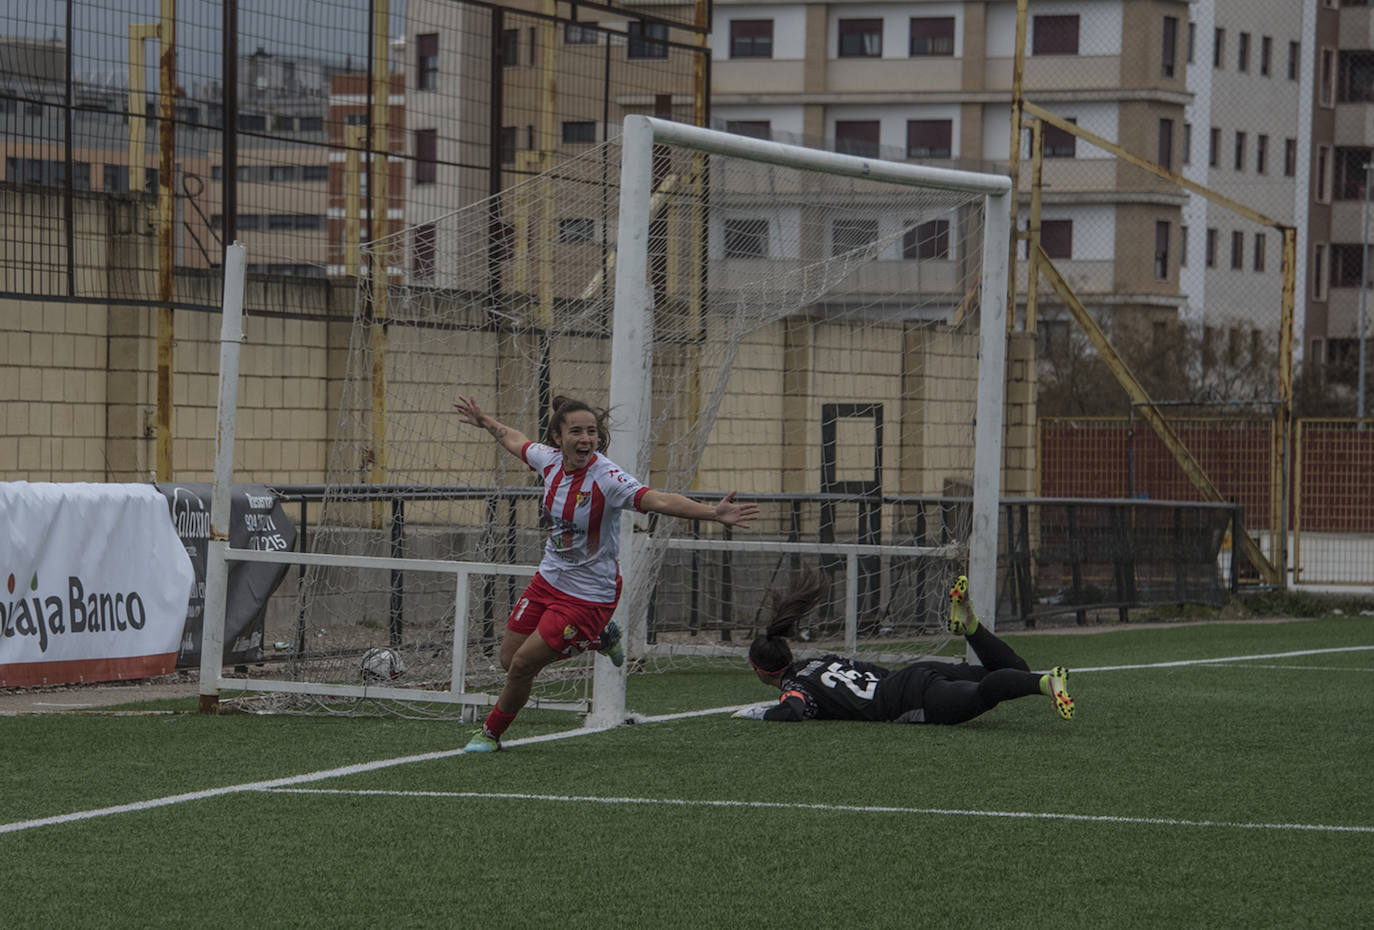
(770,653)
(562,406)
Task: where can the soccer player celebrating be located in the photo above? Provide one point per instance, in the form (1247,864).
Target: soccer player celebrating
(930,691)
(570,601)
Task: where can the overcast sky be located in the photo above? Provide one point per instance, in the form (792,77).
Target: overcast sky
(332,30)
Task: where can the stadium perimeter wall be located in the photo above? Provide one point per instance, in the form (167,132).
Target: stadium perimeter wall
(78,378)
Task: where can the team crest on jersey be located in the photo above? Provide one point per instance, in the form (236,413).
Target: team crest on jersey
(582,497)
(569,631)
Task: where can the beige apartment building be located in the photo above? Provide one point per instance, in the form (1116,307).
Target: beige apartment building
(932,81)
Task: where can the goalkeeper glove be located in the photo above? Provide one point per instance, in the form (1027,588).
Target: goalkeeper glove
(755,712)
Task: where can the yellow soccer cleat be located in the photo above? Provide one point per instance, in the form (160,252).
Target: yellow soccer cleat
(1059,691)
(962,620)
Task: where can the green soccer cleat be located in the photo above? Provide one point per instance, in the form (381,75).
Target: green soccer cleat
(482,742)
(1059,691)
(612,644)
(962,620)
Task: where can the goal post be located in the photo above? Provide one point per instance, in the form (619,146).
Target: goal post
(631,392)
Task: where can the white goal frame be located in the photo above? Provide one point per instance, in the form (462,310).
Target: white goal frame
(632,337)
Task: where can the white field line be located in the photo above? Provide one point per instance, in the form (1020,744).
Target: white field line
(1254,658)
(843,808)
(361,767)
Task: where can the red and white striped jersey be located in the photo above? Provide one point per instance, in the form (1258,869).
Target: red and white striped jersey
(581,511)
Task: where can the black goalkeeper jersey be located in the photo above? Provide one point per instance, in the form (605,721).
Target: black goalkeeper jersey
(830,688)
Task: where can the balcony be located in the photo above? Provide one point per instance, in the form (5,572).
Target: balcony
(1056,72)
(755,77)
(1357,27)
(895,75)
(1355,124)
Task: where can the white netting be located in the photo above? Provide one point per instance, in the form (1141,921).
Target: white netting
(814,348)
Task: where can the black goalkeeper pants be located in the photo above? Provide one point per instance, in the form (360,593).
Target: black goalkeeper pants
(948,693)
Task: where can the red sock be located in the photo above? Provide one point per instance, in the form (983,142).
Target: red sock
(497,722)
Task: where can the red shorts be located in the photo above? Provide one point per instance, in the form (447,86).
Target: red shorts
(568,624)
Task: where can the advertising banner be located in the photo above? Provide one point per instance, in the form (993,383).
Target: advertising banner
(95,583)
(256,521)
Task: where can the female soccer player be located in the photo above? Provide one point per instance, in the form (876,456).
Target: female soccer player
(571,598)
(931,691)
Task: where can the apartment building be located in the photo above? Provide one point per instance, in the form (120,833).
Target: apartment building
(1342,148)
(932,81)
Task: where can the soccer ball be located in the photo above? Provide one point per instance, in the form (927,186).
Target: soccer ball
(382,665)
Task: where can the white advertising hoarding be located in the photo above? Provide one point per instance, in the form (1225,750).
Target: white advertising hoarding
(93,583)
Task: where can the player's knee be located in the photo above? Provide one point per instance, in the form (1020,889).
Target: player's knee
(522,666)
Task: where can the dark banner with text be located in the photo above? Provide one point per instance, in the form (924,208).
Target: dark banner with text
(256,521)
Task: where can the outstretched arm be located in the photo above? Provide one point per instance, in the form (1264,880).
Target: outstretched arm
(727,510)
(512,440)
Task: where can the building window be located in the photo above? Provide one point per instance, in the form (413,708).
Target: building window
(926,240)
(427,61)
(1259,251)
(1056,238)
(1266,54)
(1290,157)
(754,128)
(1169,46)
(422,255)
(1056,142)
(1182,246)
(647,40)
(577,229)
(1355,73)
(510,136)
(1239,160)
(1214,147)
(857,137)
(1162,250)
(1348,174)
(1293,51)
(1261,154)
(861,38)
(315,173)
(1192,41)
(426,156)
(281,173)
(1346,264)
(751,38)
(1326,88)
(850,233)
(929,138)
(578,131)
(931,36)
(1211,247)
(1323,174)
(581,34)
(312,124)
(1166,144)
(1237,250)
(510,47)
(746,238)
(1187,143)
(1243,53)
(1218,47)
(1319,271)
(1054,35)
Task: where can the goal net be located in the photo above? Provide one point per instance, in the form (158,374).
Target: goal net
(808,329)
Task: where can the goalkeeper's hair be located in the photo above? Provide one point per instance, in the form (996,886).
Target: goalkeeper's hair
(770,653)
(562,406)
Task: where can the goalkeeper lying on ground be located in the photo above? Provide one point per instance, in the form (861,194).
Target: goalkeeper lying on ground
(931,691)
